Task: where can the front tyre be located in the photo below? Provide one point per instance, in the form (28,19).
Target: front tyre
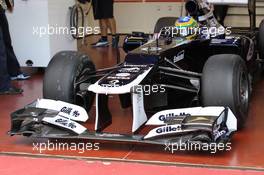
(62,73)
(225,82)
(261,40)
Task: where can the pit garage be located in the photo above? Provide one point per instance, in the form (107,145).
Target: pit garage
(103,109)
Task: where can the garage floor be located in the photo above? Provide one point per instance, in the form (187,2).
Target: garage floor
(247,145)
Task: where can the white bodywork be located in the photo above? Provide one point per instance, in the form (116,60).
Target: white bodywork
(68,120)
(230,2)
(67,110)
(98,89)
(66,123)
(139,114)
(197,111)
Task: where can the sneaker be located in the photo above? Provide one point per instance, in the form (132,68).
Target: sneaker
(101,43)
(115,41)
(12,91)
(21,76)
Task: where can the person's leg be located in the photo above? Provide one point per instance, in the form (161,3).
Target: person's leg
(220,12)
(111,22)
(12,62)
(112,25)
(102,42)
(98,15)
(103,28)
(5,84)
(4,77)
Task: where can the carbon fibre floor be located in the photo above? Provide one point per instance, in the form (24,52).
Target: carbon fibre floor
(247,145)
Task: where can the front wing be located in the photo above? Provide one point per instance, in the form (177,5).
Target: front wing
(62,120)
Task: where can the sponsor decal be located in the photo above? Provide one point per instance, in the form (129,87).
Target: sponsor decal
(157,119)
(135,65)
(103,86)
(168,129)
(218,134)
(66,123)
(118,78)
(179,56)
(68,110)
(123,74)
(113,83)
(172,116)
(218,41)
(130,70)
(61,121)
(151,49)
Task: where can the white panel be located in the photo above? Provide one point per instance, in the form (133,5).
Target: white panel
(71,111)
(32,14)
(26,15)
(59,15)
(143,16)
(134,16)
(139,114)
(243,2)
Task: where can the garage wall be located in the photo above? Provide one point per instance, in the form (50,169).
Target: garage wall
(141,16)
(238,16)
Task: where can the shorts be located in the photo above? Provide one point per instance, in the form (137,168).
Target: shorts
(103,9)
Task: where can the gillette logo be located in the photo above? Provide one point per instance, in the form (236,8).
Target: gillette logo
(172,116)
(218,134)
(167,129)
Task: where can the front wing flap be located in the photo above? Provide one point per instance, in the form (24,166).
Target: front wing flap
(215,122)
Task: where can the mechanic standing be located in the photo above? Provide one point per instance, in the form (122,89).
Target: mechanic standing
(220,12)
(104,12)
(13,66)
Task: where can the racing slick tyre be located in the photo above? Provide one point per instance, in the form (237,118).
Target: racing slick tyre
(261,40)
(63,72)
(225,82)
(164,22)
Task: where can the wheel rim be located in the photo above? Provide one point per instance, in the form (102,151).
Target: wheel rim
(244,91)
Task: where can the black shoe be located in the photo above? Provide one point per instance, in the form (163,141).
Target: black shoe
(100,43)
(115,41)
(12,91)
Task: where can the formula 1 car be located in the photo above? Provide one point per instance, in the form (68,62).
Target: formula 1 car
(184,86)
